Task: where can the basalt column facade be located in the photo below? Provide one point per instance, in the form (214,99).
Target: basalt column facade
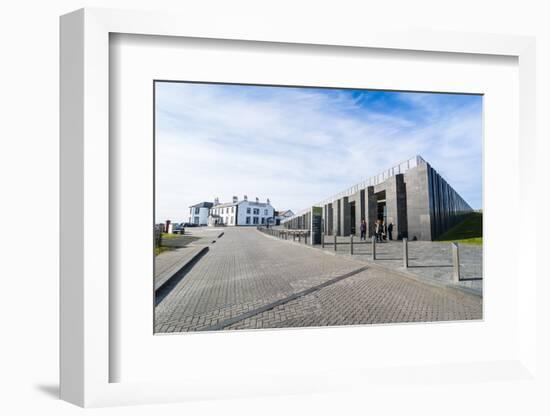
(414,198)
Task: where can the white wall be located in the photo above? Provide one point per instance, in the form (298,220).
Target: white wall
(30,177)
(244,205)
(201,217)
(228,214)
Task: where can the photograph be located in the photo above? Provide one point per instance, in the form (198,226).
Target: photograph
(276,208)
(279,206)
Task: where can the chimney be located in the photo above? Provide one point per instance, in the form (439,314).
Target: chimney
(267,201)
(245,198)
(235,199)
(257,199)
(216,201)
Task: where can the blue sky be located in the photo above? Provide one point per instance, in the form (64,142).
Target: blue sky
(298,146)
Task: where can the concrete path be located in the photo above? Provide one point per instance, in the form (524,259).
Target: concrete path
(242,280)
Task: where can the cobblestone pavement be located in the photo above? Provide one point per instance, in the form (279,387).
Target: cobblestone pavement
(246,270)
(427,259)
(370,297)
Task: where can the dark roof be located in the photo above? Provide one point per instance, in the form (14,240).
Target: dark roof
(202,205)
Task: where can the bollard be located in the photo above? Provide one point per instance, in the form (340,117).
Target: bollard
(299,237)
(293,236)
(322,240)
(351,244)
(305,238)
(405,253)
(335,242)
(456,263)
(373,247)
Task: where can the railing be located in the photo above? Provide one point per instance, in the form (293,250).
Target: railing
(372,181)
(284,234)
(350,245)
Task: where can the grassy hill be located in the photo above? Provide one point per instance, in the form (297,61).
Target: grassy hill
(469,231)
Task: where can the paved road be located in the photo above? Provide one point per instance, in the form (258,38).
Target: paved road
(246,271)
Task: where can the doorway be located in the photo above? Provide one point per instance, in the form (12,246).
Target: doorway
(381,211)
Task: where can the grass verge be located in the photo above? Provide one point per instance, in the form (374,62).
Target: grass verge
(469,231)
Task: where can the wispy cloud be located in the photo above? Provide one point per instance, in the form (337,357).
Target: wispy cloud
(297,146)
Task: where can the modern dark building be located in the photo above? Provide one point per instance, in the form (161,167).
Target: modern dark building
(412,196)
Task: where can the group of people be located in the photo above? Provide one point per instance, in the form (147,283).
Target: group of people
(381,231)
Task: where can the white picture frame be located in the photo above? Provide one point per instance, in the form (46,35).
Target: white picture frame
(86,263)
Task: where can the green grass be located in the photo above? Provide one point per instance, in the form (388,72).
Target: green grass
(469,231)
(171,236)
(162,249)
(173,241)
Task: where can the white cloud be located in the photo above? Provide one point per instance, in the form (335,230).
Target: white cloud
(299,146)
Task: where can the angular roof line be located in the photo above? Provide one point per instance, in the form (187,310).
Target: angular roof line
(379,178)
(225,204)
(202,205)
(229,204)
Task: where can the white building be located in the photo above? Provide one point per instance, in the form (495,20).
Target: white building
(280,216)
(198,214)
(241,213)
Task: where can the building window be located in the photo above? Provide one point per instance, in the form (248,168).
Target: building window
(248,220)
(231,220)
(248,210)
(265,211)
(197,211)
(232,210)
(263,220)
(196,220)
(256,211)
(255,220)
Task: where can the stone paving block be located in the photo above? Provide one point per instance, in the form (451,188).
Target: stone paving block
(247,270)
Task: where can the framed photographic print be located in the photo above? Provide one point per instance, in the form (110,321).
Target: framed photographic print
(294,143)
(269,211)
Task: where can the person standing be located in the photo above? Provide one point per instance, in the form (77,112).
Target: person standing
(390,230)
(378,231)
(363,229)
